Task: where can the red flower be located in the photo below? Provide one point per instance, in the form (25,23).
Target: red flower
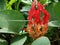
(37,26)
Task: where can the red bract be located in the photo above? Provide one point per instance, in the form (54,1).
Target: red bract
(36,26)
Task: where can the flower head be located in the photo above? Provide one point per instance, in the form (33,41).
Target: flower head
(37,27)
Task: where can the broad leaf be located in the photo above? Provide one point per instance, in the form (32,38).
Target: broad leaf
(50,9)
(11,21)
(18,40)
(54,23)
(57,10)
(41,41)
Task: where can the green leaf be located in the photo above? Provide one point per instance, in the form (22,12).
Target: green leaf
(12,1)
(57,10)
(50,9)
(2,5)
(25,8)
(11,21)
(27,1)
(17,4)
(41,41)
(3,42)
(18,40)
(56,0)
(44,1)
(8,5)
(54,23)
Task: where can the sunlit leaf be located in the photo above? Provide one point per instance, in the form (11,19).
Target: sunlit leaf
(27,1)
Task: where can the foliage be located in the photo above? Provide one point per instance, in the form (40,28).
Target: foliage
(13,15)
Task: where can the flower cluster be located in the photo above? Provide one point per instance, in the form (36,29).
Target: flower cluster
(37,26)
